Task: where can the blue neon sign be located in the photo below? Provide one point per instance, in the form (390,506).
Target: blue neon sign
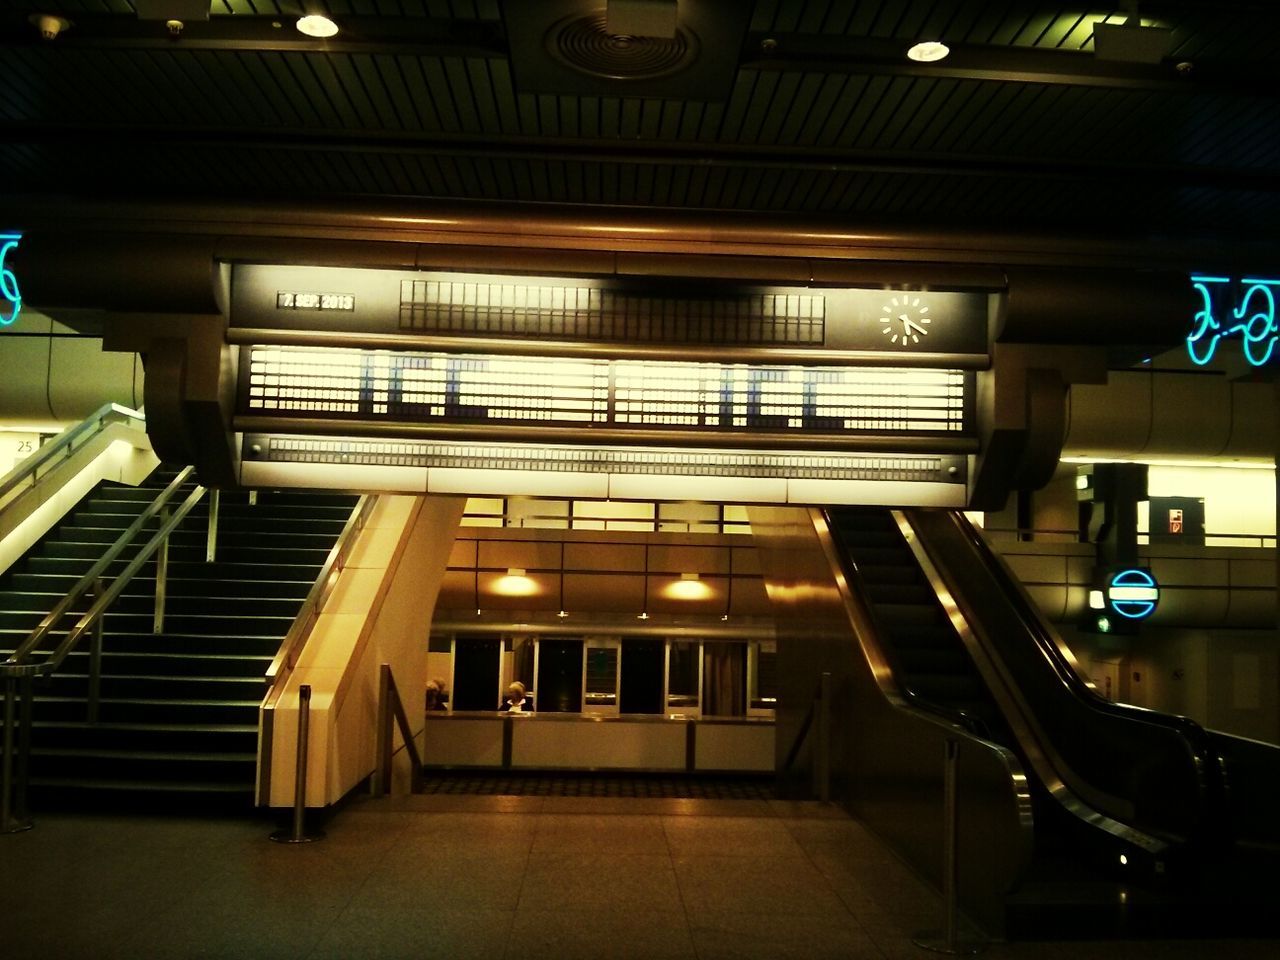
(1255,313)
(8,282)
(1133,593)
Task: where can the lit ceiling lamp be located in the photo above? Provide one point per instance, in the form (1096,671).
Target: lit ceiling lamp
(928,51)
(516,583)
(688,587)
(48,24)
(317,25)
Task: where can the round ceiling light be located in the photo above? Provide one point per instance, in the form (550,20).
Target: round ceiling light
(927,51)
(315,25)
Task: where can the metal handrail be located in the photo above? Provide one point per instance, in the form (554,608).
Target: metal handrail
(286,657)
(820,707)
(66,444)
(16,664)
(391,707)
(109,596)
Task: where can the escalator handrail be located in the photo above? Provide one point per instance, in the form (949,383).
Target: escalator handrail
(17,664)
(1051,646)
(66,443)
(858,588)
(1191,737)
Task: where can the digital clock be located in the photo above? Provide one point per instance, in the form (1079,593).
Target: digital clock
(295,300)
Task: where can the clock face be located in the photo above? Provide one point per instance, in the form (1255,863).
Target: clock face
(905,320)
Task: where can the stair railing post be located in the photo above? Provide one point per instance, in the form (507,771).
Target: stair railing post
(950,942)
(13,789)
(824,738)
(162,576)
(95,658)
(382,769)
(211,538)
(299,832)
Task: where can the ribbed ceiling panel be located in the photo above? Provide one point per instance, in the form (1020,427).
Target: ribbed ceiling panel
(819,131)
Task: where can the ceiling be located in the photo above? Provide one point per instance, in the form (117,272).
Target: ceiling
(802,108)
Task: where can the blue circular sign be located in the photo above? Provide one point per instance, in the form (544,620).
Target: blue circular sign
(1133,593)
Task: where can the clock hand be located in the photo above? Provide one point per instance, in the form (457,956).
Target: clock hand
(920,329)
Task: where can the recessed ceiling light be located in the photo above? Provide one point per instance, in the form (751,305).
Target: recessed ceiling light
(315,25)
(927,51)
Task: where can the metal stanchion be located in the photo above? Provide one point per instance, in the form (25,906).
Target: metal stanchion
(162,577)
(824,738)
(13,801)
(95,658)
(949,942)
(211,537)
(299,834)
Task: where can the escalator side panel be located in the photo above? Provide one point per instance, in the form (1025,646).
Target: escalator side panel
(888,758)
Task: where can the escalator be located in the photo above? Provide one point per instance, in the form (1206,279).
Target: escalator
(1130,832)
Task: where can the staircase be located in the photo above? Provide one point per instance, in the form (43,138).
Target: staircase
(178,713)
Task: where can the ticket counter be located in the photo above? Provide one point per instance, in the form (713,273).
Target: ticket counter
(562,741)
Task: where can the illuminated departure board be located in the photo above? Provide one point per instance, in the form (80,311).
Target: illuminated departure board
(436,387)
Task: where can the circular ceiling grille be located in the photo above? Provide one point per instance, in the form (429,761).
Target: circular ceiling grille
(584,44)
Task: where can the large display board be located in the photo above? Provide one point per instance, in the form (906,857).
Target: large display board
(895,323)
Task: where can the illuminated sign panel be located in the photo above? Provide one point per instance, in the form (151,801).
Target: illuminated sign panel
(9,293)
(1132,594)
(424,387)
(1250,315)
(291,300)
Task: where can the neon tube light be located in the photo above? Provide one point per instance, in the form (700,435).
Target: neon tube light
(1255,313)
(9,282)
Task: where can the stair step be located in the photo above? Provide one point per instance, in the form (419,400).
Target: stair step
(178,713)
(157,737)
(138,710)
(175,665)
(126,686)
(58,584)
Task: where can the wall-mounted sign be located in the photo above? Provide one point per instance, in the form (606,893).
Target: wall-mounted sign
(888,325)
(10,296)
(1131,593)
(1245,309)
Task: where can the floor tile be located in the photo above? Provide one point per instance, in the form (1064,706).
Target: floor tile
(721,935)
(386,932)
(765,885)
(763,838)
(581,880)
(616,833)
(616,933)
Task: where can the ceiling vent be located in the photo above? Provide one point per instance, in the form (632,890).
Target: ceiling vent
(584,44)
(564,47)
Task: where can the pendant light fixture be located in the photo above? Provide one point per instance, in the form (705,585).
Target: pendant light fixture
(644,604)
(562,614)
(728,587)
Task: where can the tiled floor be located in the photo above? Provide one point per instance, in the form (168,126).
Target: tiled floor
(488,878)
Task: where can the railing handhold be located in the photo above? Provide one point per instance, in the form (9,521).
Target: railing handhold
(950,942)
(391,711)
(299,832)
